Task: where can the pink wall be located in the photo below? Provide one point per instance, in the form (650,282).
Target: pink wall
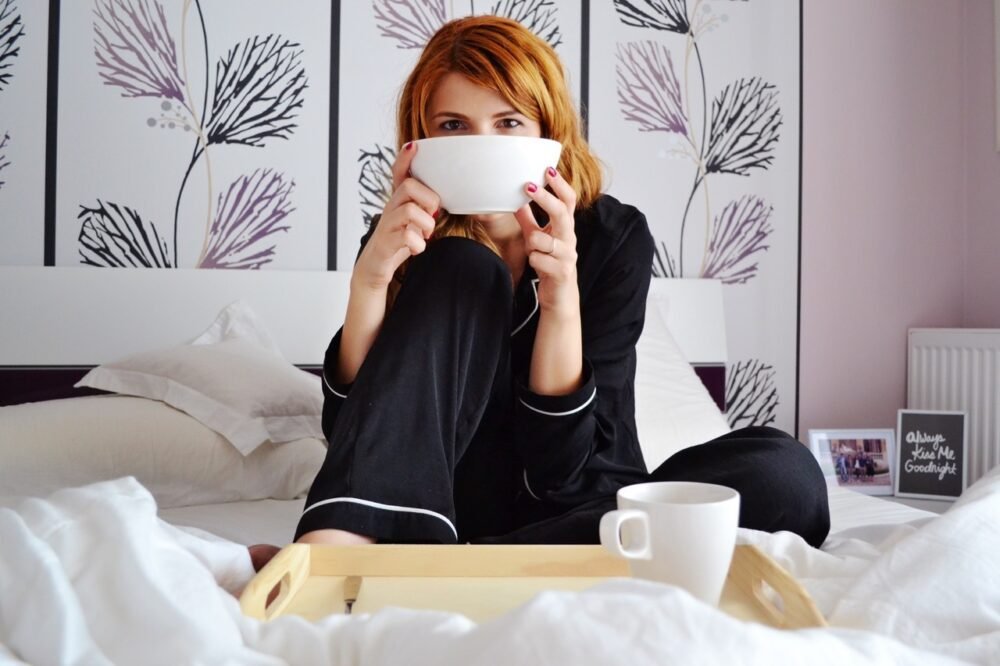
(884,198)
(982,280)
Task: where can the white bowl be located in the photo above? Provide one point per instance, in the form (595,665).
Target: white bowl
(480,174)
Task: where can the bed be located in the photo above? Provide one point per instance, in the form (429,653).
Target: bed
(127,502)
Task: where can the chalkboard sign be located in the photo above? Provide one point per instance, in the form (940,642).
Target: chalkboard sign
(931,454)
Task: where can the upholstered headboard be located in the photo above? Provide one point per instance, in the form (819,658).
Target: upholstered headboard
(60,321)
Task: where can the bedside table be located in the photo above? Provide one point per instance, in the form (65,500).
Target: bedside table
(935,506)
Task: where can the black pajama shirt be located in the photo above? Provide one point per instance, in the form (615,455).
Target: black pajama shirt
(440,440)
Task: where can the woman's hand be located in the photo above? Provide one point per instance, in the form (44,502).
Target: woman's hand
(406,223)
(557,355)
(552,250)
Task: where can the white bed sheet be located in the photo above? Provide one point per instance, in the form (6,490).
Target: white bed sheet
(90,575)
(850,510)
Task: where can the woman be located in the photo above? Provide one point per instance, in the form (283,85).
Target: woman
(481,387)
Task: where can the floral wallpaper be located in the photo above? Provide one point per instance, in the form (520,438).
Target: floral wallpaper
(211,117)
(257,134)
(711,94)
(257,90)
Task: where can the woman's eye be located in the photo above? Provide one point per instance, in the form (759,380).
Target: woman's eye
(451,125)
(510,123)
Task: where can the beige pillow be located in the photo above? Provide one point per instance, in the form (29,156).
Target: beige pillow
(230,378)
(45,446)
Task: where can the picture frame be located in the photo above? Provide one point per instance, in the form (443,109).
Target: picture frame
(859,459)
(932,453)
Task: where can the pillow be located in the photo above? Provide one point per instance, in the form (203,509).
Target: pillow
(45,446)
(232,378)
(673,408)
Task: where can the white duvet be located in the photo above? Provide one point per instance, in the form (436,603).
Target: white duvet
(92,576)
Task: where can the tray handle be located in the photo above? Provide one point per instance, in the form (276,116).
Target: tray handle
(760,578)
(287,570)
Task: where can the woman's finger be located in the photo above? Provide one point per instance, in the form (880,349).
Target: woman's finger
(414,213)
(401,167)
(539,241)
(526,219)
(412,190)
(560,216)
(561,188)
(414,240)
(562,226)
(408,213)
(548,266)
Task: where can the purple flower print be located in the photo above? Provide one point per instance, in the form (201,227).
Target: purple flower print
(648,90)
(247,214)
(410,22)
(135,50)
(740,232)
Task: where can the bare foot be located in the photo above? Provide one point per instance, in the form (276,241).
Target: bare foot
(261,554)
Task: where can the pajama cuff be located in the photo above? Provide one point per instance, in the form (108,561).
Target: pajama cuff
(386,523)
(555,434)
(534,406)
(331,388)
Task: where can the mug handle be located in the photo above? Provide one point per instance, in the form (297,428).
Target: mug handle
(611,525)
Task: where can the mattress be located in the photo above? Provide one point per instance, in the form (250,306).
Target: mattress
(274,521)
(261,521)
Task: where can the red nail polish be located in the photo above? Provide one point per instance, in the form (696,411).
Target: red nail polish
(532,187)
(552,171)
(435,213)
(408,146)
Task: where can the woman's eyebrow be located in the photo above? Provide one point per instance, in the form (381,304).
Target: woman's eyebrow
(455,114)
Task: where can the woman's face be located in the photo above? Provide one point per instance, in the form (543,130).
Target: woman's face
(459,106)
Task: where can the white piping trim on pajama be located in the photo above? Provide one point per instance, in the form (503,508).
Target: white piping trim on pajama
(534,288)
(566,413)
(379,505)
(530,491)
(339,395)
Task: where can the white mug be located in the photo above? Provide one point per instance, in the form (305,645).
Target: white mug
(676,532)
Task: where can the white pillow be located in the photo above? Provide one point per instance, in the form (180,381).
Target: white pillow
(45,446)
(673,408)
(232,378)
(238,321)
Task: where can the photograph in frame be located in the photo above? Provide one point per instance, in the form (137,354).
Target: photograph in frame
(858,459)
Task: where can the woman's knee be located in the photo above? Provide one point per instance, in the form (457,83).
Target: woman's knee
(759,432)
(460,262)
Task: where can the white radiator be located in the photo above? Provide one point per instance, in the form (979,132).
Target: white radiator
(959,369)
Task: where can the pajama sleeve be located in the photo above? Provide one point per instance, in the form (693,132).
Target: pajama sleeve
(334,394)
(564,439)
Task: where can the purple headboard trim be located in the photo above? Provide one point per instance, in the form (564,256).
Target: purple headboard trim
(714,379)
(34,384)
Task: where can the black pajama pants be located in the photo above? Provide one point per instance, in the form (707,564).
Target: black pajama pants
(421,449)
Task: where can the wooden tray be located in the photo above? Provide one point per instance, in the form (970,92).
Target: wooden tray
(482,582)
